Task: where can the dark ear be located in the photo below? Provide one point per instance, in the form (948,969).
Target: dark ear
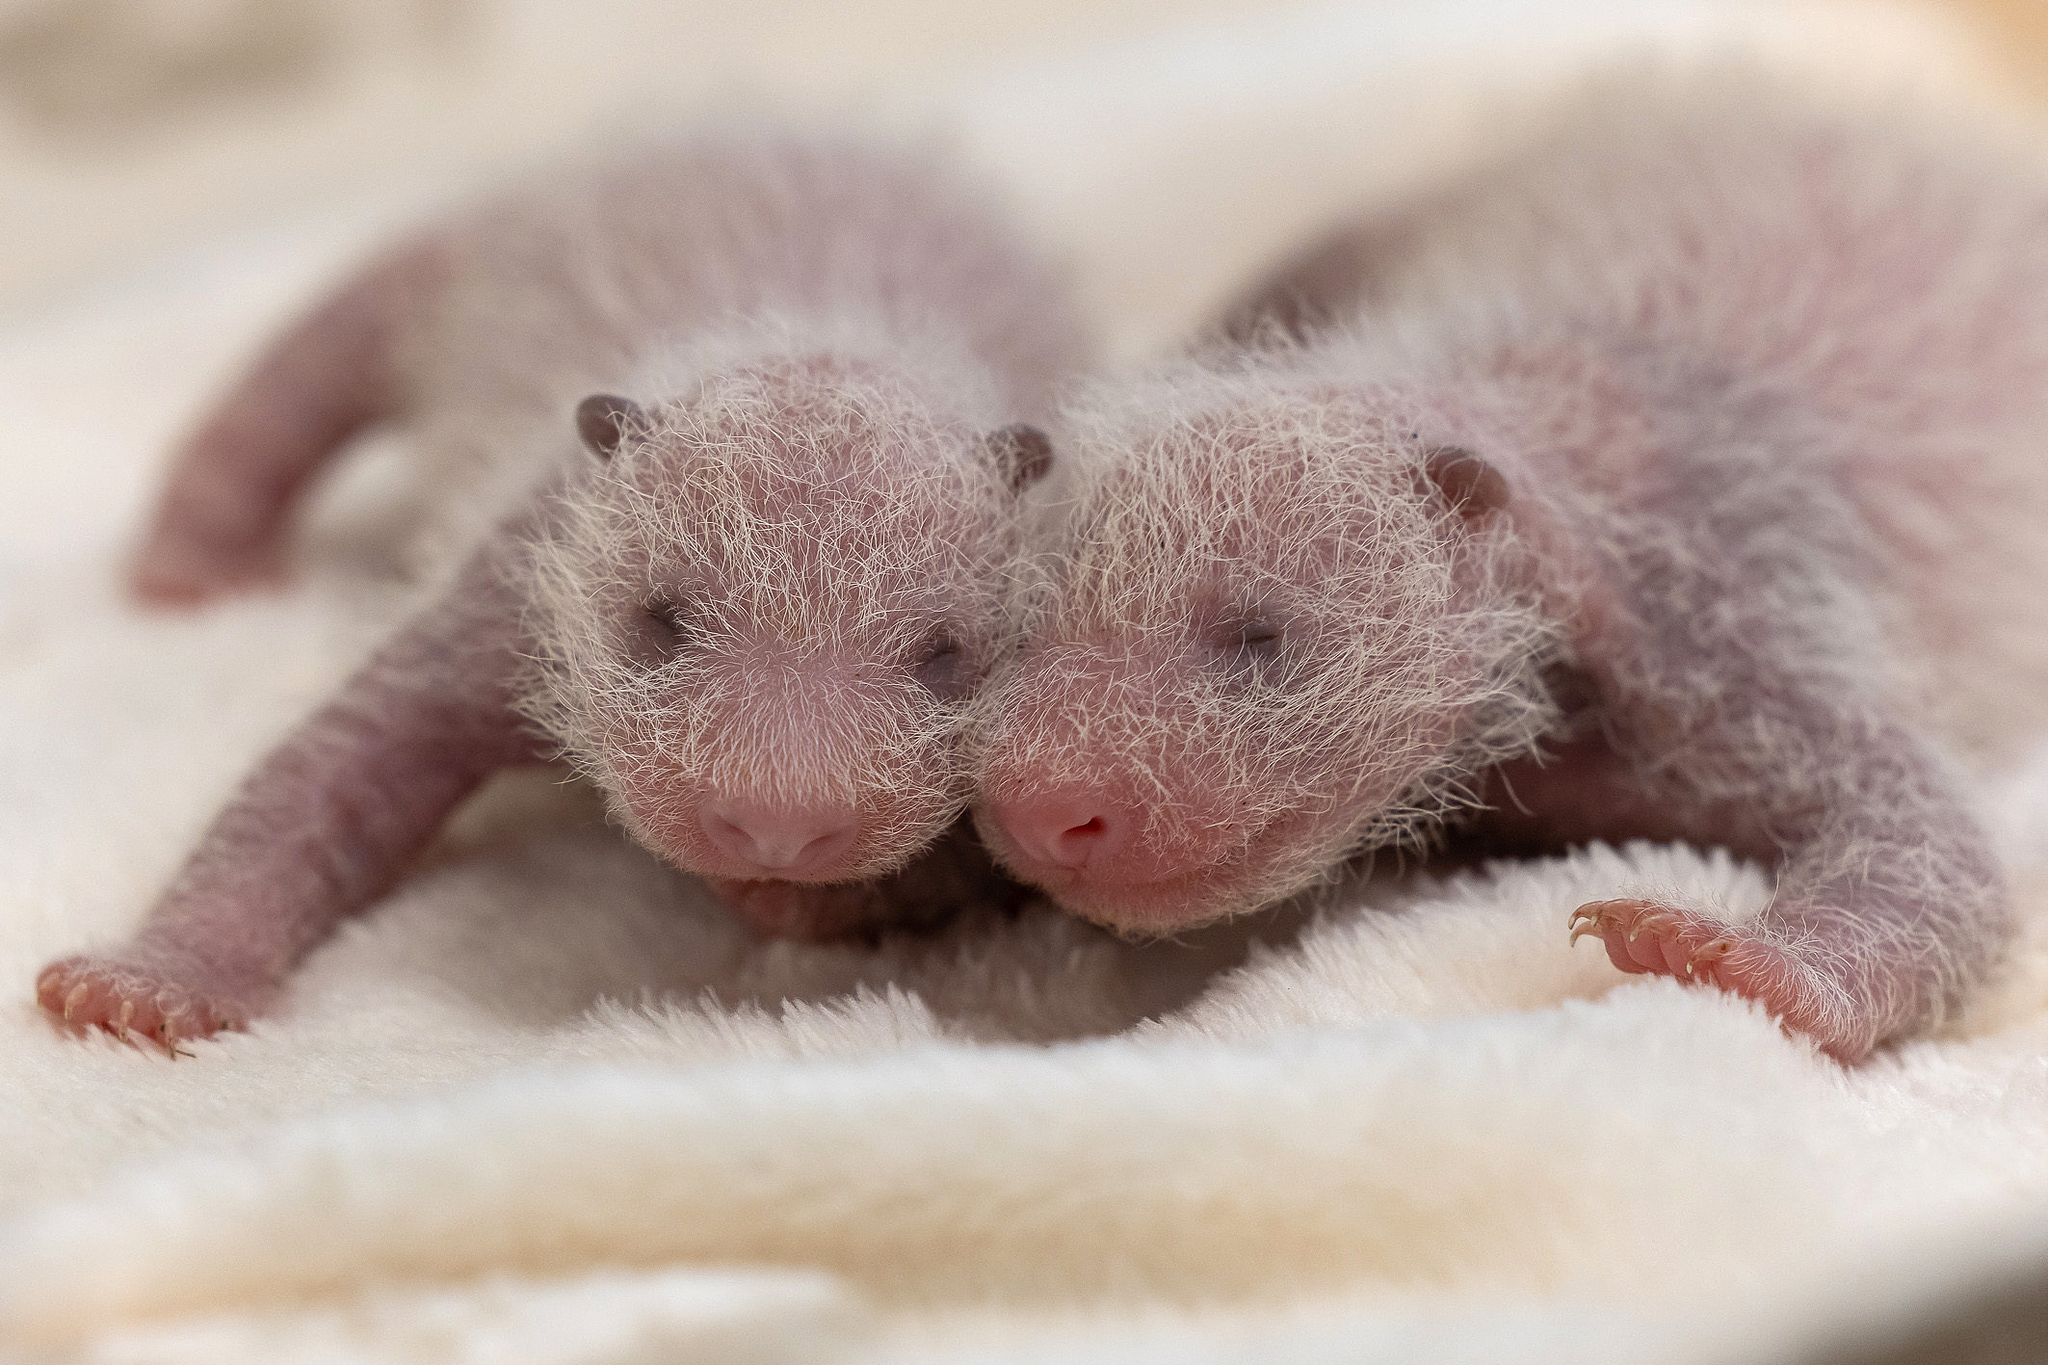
(603,419)
(1021,452)
(1474,489)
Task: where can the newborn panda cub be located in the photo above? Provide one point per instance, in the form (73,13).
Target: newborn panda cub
(1677,478)
(750,607)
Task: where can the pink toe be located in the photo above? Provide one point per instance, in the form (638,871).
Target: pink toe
(1676,956)
(1648,950)
(1619,951)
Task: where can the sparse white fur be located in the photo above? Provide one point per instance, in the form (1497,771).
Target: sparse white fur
(1763,385)
(823,332)
(1271,491)
(1881,266)
(822,523)
(752,611)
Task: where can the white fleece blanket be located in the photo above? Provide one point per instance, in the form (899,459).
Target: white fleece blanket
(547,1105)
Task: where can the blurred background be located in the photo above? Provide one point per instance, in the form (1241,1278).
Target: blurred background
(1170,141)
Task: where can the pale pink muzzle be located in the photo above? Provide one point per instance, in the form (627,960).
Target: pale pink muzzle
(779,841)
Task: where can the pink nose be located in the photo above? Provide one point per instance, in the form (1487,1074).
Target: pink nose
(1065,833)
(779,840)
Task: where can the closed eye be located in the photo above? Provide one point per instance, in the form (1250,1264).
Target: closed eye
(668,616)
(1250,643)
(662,629)
(1259,638)
(941,667)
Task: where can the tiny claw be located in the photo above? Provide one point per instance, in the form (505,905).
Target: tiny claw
(168,1037)
(1579,931)
(72,1001)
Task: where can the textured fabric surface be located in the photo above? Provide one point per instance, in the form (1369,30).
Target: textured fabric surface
(545,1104)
